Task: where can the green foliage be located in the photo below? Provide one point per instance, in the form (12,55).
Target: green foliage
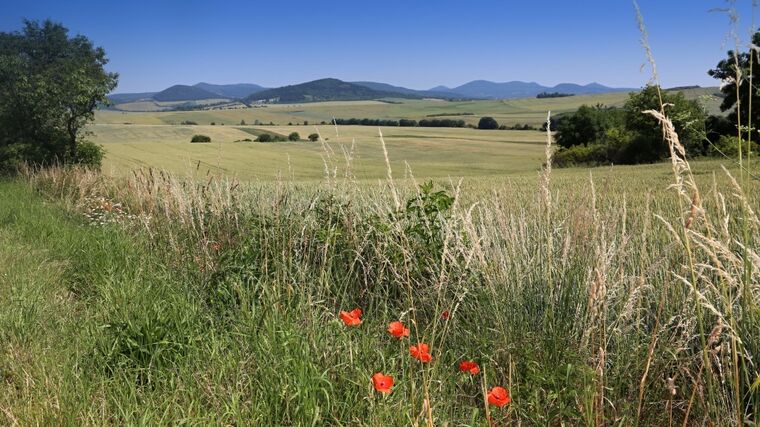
(729,146)
(50,85)
(269,137)
(488,123)
(726,73)
(587,125)
(688,118)
(89,155)
(294,136)
(599,135)
(314,137)
(200,138)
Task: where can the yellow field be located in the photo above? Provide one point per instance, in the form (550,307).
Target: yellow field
(427,152)
(156,139)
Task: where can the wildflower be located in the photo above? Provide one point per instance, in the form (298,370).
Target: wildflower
(352,318)
(382,383)
(445,315)
(498,396)
(469,366)
(398,330)
(421,352)
(216,247)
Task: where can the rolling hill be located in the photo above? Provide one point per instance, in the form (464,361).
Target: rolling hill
(122,98)
(330,89)
(399,89)
(183,93)
(231,91)
(485,89)
(325,90)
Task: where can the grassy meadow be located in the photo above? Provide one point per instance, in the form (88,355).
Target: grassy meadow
(202,284)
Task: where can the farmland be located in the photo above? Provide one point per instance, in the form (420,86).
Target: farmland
(158,139)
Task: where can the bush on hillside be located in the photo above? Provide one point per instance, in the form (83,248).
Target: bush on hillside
(200,138)
(89,155)
(294,136)
(314,137)
(268,137)
(488,123)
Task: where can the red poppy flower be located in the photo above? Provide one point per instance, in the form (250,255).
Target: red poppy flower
(421,352)
(469,366)
(382,383)
(398,330)
(498,396)
(445,315)
(352,318)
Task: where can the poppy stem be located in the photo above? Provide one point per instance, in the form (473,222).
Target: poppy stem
(485,398)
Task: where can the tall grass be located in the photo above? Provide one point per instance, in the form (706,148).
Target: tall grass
(166,300)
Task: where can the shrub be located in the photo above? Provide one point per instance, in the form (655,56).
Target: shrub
(616,148)
(268,137)
(89,155)
(314,137)
(729,146)
(294,136)
(488,123)
(200,138)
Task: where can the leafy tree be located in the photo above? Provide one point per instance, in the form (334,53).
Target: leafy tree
(726,73)
(265,137)
(294,136)
(688,118)
(50,85)
(588,125)
(488,123)
(314,137)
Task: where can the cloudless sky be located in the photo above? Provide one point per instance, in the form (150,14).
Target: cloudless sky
(417,44)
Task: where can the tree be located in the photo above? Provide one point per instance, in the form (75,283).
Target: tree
(265,137)
(648,145)
(314,137)
(588,125)
(488,123)
(50,85)
(294,136)
(726,72)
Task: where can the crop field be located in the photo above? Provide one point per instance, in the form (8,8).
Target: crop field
(429,152)
(157,139)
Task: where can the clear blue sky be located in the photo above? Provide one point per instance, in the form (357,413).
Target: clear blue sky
(418,44)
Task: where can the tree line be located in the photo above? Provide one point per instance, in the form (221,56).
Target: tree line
(442,123)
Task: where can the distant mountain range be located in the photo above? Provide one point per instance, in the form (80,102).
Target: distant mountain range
(326,90)
(485,89)
(330,89)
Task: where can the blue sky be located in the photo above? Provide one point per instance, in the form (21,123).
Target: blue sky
(418,44)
